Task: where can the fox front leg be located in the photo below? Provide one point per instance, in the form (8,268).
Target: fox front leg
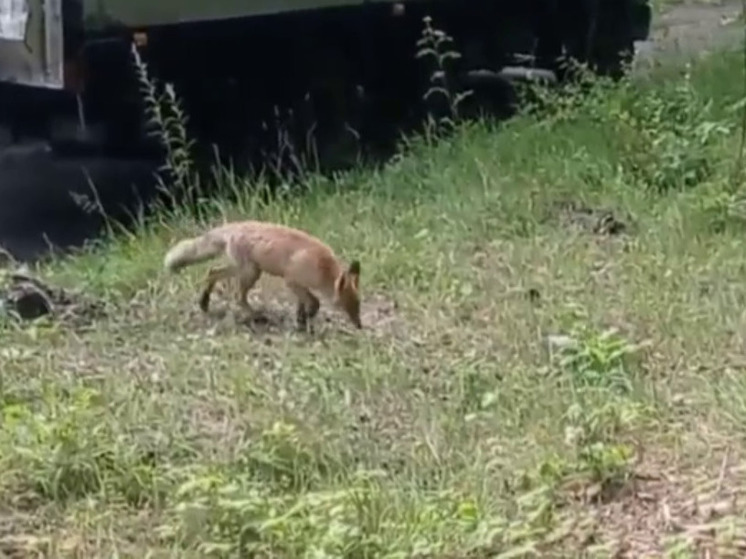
(305,312)
(307,307)
(246,281)
(301,317)
(312,305)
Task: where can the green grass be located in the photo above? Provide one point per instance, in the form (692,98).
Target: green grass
(455,424)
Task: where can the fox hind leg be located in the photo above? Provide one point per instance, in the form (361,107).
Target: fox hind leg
(214,275)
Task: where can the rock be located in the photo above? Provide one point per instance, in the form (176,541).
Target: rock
(29,298)
(29,302)
(558,343)
(598,221)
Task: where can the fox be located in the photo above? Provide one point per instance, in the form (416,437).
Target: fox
(308,265)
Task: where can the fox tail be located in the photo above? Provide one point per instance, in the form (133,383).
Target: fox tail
(192,251)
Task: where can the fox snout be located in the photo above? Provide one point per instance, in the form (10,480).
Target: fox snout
(347,295)
(349,302)
(355,316)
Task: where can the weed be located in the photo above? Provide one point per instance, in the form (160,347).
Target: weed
(667,140)
(592,358)
(434,45)
(64,451)
(167,122)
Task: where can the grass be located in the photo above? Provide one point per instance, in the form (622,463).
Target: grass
(527,385)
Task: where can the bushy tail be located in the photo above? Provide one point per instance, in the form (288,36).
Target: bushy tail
(192,251)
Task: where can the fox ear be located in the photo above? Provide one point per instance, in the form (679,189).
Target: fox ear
(354,273)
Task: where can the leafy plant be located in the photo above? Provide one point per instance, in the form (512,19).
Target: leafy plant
(665,137)
(434,45)
(167,121)
(62,452)
(597,359)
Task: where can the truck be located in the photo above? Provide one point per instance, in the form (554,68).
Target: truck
(257,75)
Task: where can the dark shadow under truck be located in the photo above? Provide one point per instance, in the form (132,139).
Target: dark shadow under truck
(327,79)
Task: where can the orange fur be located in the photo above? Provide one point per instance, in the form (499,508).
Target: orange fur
(308,265)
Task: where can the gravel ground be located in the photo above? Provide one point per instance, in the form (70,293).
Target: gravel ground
(691,28)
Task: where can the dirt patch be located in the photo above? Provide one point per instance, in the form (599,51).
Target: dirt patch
(667,507)
(273,313)
(691,28)
(598,221)
(27,298)
(381,314)
(40,534)
(14,543)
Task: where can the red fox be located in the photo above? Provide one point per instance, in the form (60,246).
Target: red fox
(252,247)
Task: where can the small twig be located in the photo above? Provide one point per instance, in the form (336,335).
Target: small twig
(723,468)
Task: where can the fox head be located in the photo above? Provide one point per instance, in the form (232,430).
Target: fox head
(346,295)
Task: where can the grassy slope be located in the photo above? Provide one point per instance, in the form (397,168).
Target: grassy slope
(445,428)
